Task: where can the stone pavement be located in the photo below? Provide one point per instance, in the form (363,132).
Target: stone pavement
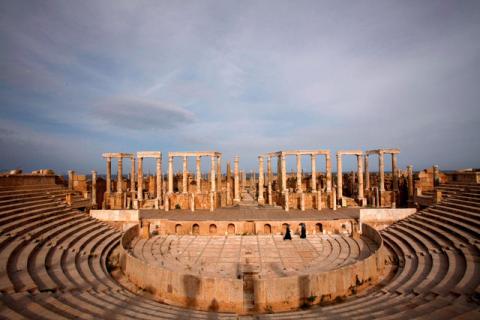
(267,255)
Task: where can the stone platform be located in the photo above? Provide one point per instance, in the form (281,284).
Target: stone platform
(266,255)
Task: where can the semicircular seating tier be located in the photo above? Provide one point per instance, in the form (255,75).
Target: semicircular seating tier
(53,265)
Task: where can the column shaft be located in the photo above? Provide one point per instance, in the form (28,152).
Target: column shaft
(140,180)
(94,188)
(410,182)
(299,173)
(284,173)
(236,188)
(185,176)
(159,177)
(381,172)
(219,173)
(71,173)
(328,169)
(212,174)
(269,179)
(119,175)
(339,177)
(394,172)
(170,174)
(360,176)
(132,177)
(109,175)
(436,178)
(314,172)
(367,174)
(261,199)
(199,174)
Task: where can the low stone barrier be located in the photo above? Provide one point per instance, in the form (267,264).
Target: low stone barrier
(269,294)
(381,218)
(176,288)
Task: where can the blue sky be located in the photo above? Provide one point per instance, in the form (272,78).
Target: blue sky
(78,78)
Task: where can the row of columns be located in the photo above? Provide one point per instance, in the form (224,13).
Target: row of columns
(215,171)
(282,174)
(119,174)
(381,172)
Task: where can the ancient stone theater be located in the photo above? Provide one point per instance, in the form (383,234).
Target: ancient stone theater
(315,242)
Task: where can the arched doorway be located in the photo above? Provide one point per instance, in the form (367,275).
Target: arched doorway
(178,229)
(195,229)
(231,228)
(267,229)
(212,229)
(318,228)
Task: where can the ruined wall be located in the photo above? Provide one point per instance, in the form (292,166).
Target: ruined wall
(26,179)
(176,288)
(215,227)
(382,218)
(273,294)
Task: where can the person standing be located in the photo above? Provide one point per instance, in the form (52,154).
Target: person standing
(303,232)
(288,235)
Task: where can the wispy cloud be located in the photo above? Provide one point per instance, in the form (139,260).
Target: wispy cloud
(139,113)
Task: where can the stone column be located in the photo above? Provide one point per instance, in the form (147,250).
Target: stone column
(436,178)
(198,173)
(299,173)
(159,178)
(212,174)
(261,199)
(219,173)
(119,175)
(94,188)
(410,182)
(279,174)
(170,174)
(236,188)
(109,175)
(185,176)
(284,173)
(328,169)
(394,172)
(140,180)
(360,176)
(269,178)
(339,177)
(228,183)
(132,178)
(71,173)
(381,173)
(314,172)
(367,174)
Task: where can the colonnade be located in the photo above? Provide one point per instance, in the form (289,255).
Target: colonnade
(215,169)
(157,155)
(360,192)
(282,174)
(119,201)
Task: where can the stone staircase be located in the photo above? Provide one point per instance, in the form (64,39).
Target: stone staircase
(247,200)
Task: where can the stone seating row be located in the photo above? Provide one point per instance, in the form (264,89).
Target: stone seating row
(53,266)
(437,273)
